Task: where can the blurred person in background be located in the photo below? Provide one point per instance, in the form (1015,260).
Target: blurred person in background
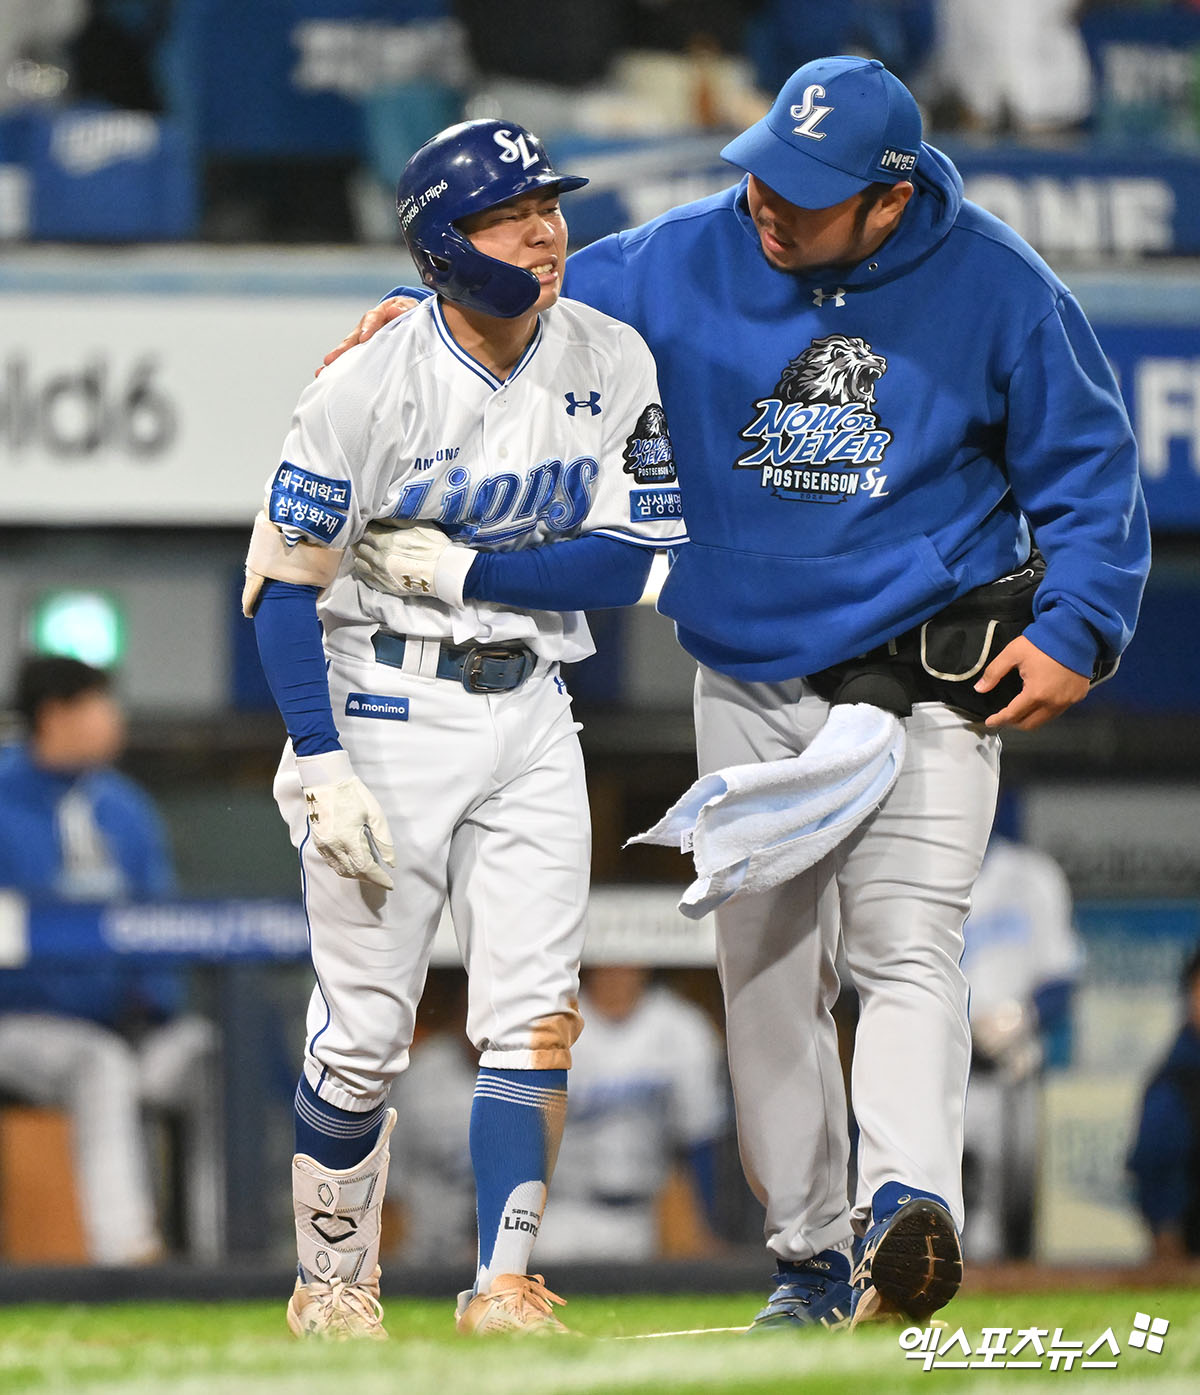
(523,69)
(1036,79)
(1165,1159)
(1022,960)
(632,66)
(783,35)
(100,1040)
(33,39)
(648,1092)
(431,1179)
(114,55)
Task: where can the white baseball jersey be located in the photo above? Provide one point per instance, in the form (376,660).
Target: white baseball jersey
(642,1089)
(410,426)
(1020,933)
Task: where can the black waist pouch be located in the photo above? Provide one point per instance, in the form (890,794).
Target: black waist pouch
(942,659)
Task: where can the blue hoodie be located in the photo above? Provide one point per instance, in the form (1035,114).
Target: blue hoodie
(31,862)
(858,447)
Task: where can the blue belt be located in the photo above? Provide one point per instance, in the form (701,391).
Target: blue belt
(480,668)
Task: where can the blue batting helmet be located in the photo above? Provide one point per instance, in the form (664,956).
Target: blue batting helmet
(463,170)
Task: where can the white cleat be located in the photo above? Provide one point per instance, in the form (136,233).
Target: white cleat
(337,1311)
(519,1304)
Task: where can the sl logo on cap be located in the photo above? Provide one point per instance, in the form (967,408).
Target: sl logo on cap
(809,115)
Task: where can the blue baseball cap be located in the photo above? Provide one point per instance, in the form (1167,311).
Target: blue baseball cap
(837,125)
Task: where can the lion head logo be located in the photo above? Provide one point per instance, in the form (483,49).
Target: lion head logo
(653,421)
(835,370)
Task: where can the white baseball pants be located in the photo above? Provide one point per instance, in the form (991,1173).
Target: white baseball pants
(487,805)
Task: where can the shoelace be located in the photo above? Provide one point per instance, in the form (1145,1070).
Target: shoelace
(531,1292)
(794,1289)
(340,1300)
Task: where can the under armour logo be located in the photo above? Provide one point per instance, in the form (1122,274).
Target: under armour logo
(414,583)
(574,404)
(561,686)
(311,800)
(838,297)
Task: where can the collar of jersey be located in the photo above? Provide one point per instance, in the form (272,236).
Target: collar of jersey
(473,364)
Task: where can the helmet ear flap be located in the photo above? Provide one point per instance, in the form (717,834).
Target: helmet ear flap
(485,283)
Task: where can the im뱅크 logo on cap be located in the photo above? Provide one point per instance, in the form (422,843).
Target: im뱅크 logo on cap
(898,161)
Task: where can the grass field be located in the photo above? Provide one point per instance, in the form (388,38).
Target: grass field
(244,1349)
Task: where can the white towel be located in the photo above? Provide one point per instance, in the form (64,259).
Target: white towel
(751,827)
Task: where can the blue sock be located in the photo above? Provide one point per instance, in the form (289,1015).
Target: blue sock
(336,1138)
(516,1125)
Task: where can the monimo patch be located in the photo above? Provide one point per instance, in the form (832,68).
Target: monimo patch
(392,709)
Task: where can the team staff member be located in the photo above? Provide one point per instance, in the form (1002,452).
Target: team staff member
(100,1040)
(437,758)
(877,391)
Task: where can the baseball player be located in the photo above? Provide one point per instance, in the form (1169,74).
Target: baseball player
(878,392)
(1023,956)
(647,1088)
(518,445)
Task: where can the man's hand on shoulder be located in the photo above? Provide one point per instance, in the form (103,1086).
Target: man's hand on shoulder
(1048,688)
(372,321)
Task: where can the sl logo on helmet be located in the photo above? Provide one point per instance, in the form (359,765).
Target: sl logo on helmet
(515,148)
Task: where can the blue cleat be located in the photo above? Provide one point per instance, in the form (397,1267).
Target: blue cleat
(813,1293)
(909,1263)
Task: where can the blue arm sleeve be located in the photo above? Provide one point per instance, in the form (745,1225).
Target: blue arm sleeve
(289,645)
(589,573)
(412,292)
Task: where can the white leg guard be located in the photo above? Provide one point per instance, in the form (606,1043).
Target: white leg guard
(338,1213)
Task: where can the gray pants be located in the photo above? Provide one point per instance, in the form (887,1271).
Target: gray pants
(897,891)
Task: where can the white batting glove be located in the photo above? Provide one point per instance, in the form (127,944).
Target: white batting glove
(345,821)
(413,559)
